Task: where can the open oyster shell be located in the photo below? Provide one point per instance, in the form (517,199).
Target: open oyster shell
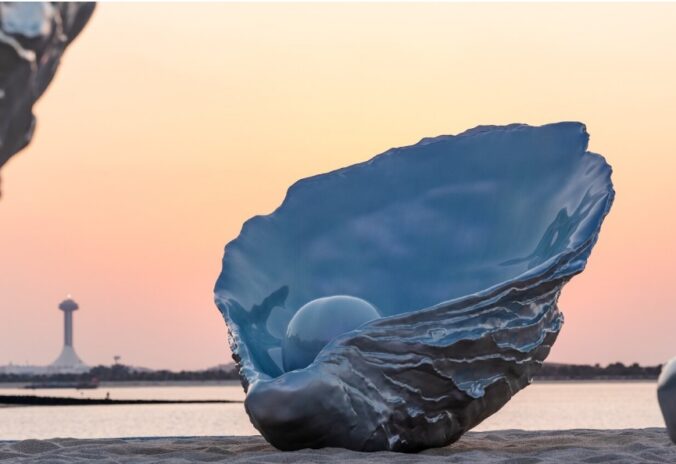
(462,242)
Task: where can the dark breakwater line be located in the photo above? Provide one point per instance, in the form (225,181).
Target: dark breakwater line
(31,400)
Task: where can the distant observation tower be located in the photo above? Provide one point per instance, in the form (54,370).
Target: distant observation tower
(68,360)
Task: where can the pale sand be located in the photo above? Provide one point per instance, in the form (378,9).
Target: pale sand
(504,447)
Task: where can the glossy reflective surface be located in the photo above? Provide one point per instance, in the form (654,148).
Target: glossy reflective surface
(463,243)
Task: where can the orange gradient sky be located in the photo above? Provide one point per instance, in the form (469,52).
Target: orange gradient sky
(168,125)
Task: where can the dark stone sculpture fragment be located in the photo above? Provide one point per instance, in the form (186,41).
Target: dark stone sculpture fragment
(666,394)
(33,37)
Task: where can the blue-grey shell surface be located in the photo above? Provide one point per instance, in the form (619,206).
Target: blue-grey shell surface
(666,396)
(462,242)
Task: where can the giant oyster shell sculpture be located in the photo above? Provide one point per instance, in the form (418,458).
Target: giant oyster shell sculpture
(397,303)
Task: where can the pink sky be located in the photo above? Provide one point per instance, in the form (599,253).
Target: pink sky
(168,125)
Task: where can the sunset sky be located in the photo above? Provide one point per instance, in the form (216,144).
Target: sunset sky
(168,125)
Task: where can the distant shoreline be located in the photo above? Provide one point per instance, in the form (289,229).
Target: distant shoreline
(230,383)
(145,383)
(596,380)
(121,375)
(167,383)
(33,400)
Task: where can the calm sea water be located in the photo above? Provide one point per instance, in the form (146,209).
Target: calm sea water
(542,406)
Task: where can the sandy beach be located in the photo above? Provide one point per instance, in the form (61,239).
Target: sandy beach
(506,447)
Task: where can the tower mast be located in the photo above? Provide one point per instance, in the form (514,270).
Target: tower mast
(68,360)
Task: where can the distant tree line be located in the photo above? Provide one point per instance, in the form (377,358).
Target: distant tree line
(614,371)
(122,373)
